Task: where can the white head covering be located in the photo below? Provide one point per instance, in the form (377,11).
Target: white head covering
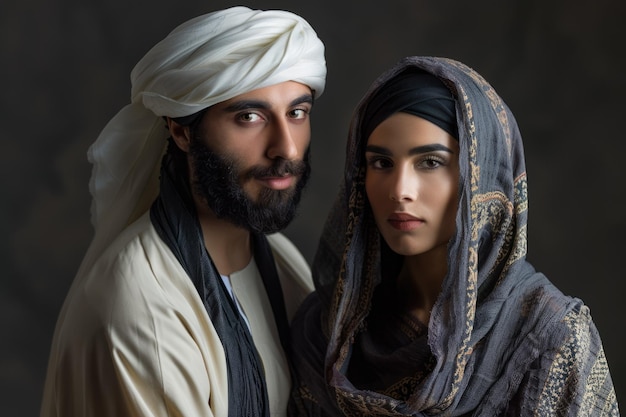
(207,60)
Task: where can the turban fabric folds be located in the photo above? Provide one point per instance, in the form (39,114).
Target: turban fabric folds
(204,61)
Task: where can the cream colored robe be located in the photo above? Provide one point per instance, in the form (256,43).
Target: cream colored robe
(134,339)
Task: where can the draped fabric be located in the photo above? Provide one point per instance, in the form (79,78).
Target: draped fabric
(204,61)
(173,216)
(501,339)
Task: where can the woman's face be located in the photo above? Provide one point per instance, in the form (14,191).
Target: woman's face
(411,182)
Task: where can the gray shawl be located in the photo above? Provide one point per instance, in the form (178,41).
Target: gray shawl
(501,340)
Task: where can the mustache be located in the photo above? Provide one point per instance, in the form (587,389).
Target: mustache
(280,168)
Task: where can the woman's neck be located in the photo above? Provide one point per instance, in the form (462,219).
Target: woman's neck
(420,280)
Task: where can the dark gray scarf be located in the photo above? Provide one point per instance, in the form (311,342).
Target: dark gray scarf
(501,340)
(174,217)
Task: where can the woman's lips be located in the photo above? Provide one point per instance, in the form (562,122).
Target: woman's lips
(404,221)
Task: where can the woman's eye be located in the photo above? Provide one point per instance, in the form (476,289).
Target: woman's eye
(379,163)
(431,162)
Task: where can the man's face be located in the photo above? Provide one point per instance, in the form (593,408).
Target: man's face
(249,156)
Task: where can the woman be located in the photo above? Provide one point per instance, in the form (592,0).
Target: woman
(425,304)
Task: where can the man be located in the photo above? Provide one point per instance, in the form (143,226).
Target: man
(182,302)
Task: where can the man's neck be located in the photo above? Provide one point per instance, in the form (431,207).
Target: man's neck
(229,246)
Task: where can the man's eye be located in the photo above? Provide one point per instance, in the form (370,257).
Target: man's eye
(249,117)
(299,113)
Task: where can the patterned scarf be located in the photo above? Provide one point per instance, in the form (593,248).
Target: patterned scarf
(501,340)
(173,216)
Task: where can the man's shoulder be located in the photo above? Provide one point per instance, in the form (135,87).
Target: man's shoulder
(130,278)
(131,253)
(293,270)
(288,258)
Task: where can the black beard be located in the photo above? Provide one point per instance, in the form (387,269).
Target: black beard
(217,183)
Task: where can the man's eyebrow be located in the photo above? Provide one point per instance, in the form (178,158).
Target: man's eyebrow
(260,104)
(246,104)
(304,98)
(413,151)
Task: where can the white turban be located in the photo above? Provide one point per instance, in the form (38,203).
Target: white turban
(204,61)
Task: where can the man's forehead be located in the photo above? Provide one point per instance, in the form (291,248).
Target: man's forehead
(287,93)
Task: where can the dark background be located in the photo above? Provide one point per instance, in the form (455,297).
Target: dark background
(65,68)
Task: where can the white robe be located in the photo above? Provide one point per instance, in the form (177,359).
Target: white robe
(134,339)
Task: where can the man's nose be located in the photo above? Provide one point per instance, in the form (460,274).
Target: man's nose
(282,142)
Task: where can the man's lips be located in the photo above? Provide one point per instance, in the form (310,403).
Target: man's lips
(278,183)
(404,221)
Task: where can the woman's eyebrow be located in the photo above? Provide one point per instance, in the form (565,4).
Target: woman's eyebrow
(413,151)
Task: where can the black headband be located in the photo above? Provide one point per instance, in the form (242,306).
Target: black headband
(415,92)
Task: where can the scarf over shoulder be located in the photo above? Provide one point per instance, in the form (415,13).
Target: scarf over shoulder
(204,61)
(501,340)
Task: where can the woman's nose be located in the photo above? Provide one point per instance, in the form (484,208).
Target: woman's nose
(404,186)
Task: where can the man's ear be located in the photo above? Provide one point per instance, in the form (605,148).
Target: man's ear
(181,134)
